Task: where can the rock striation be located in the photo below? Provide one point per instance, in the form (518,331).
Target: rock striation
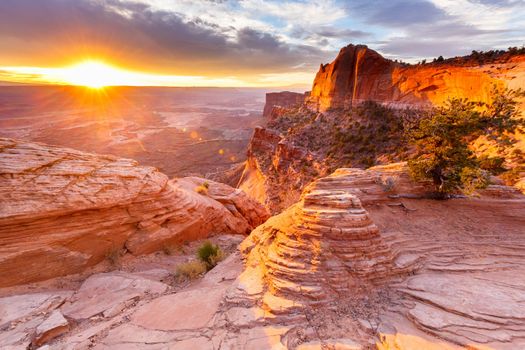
(284,99)
(360,262)
(360,74)
(320,248)
(67,210)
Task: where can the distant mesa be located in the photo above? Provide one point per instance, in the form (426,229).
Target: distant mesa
(284,99)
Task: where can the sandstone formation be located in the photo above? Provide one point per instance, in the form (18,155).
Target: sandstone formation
(360,262)
(360,74)
(284,99)
(273,160)
(321,248)
(66,210)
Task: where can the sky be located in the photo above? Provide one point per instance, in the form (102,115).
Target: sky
(236,43)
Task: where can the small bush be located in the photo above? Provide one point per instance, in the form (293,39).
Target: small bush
(210,254)
(190,270)
(473,179)
(201,189)
(387,184)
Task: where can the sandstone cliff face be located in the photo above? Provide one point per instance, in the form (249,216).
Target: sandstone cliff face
(276,170)
(65,210)
(360,74)
(284,99)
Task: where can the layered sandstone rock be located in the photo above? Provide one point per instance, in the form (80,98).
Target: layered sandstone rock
(360,74)
(62,210)
(320,248)
(389,271)
(284,99)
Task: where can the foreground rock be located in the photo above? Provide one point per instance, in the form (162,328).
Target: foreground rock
(363,261)
(319,249)
(65,210)
(54,326)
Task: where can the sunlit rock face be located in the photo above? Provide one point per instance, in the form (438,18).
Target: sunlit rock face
(284,99)
(270,175)
(360,74)
(320,248)
(66,210)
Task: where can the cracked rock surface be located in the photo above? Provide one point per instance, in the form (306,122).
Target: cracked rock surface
(68,210)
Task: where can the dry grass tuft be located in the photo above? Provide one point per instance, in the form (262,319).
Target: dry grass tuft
(190,270)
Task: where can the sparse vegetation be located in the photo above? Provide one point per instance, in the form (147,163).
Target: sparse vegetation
(442,141)
(210,254)
(481,57)
(203,188)
(190,270)
(387,184)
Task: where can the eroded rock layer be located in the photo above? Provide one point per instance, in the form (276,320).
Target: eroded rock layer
(320,248)
(360,74)
(66,210)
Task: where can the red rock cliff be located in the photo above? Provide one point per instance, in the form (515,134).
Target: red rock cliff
(285,99)
(359,74)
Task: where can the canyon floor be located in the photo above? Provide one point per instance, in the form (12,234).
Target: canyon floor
(181,131)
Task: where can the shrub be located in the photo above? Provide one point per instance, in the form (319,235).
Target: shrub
(473,179)
(442,140)
(210,254)
(190,270)
(202,189)
(387,184)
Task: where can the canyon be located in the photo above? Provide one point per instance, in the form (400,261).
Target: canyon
(328,241)
(354,116)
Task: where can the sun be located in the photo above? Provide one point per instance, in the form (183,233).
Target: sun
(93,74)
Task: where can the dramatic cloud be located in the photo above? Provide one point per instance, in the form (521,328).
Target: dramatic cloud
(415,29)
(252,39)
(54,32)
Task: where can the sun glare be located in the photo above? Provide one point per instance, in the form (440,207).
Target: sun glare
(93,74)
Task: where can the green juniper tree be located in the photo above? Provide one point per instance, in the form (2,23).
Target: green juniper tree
(442,140)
